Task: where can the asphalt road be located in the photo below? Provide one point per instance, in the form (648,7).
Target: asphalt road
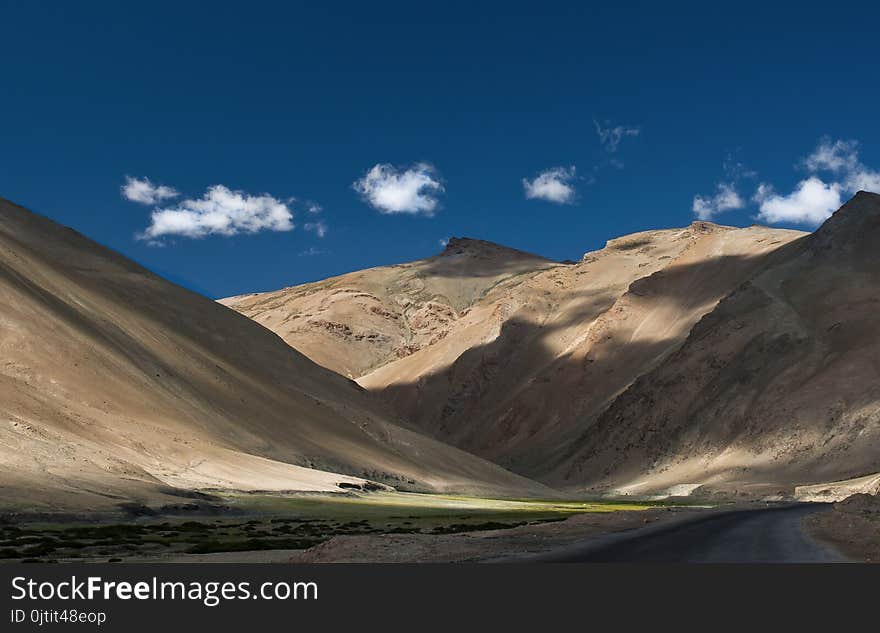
(771,535)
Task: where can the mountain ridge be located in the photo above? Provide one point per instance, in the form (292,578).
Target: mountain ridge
(521,375)
(119,386)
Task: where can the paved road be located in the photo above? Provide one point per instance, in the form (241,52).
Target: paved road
(772,535)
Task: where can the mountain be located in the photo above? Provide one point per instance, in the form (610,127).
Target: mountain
(357,322)
(523,372)
(535,363)
(777,386)
(118,386)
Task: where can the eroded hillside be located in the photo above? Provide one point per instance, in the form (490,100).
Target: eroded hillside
(780,384)
(528,362)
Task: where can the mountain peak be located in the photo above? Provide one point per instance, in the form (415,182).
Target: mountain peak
(473,247)
(704,226)
(853,227)
(460,243)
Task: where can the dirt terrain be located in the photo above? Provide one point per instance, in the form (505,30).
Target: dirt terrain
(483,545)
(853,527)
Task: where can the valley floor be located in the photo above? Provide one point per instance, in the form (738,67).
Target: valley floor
(392,527)
(300,527)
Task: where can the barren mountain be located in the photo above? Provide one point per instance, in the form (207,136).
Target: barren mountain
(366,319)
(780,384)
(118,386)
(535,362)
(522,373)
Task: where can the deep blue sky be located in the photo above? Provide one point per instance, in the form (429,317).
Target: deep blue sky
(299,101)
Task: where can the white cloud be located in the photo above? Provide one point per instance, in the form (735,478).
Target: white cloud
(725,199)
(812,202)
(145,192)
(220,211)
(553,185)
(816,198)
(836,157)
(842,159)
(312,251)
(319,228)
(443,243)
(392,190)
(736,170)
(611,136)
(864,179)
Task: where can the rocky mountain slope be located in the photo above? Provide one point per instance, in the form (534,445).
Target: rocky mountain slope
(780,384)
(118,386)
(523,372)
(357,322)
(536,361)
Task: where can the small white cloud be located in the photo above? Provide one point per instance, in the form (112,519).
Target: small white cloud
(319,227)
(553,185)
(736,170)
(145,192)
(834,156)
(443,243)
(611,136)
(763,192)
(864,179)
(842,159)
(314,208)
(812,202)
(220,211)
(313,251)
(392,190)
(725,199)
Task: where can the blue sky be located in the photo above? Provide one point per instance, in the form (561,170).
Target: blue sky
(407,123)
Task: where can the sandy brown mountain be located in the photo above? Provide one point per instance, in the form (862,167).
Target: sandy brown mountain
(522,373)
(119,386)
(779,385)
(357,322)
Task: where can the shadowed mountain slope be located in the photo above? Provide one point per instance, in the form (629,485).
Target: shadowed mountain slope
(119,386)
(537,361)
(526,365)
(780,384)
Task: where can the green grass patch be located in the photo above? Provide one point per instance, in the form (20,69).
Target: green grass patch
(296,521)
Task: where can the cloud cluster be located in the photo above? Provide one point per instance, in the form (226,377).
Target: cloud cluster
(392,190)
(553,185)
(220,211)
(841,158)
(834,172)
(319,227)
(142,191)
(725,199)
(835,169)
(611,136)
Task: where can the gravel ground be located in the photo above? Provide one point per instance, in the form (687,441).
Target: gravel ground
(852,526)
